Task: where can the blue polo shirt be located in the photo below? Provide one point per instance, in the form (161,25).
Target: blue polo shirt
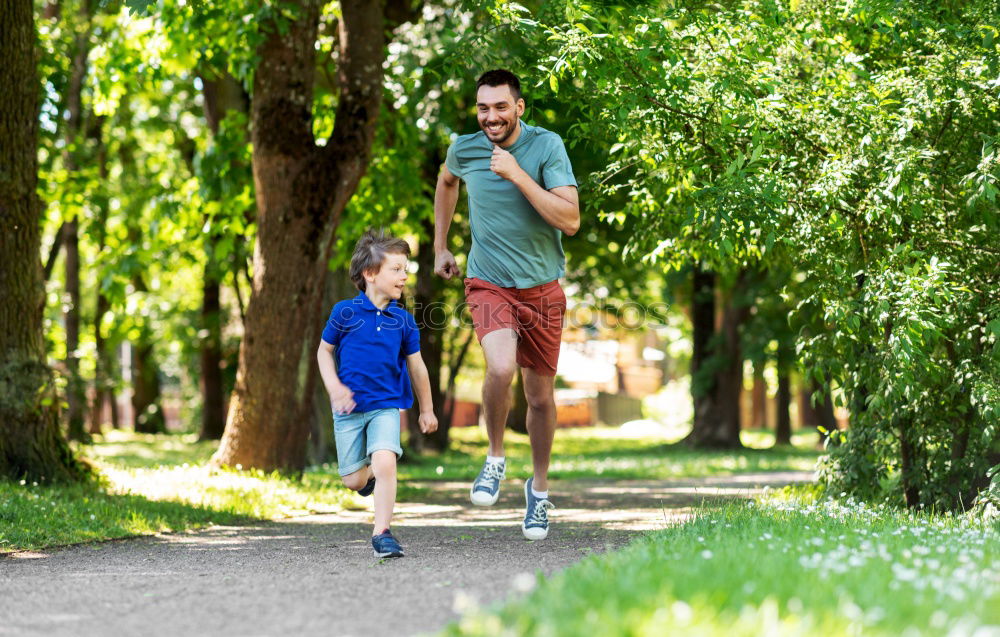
(371,346)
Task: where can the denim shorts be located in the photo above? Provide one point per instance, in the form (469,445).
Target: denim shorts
(361,433)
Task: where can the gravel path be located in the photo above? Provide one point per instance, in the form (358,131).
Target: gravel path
(316,575)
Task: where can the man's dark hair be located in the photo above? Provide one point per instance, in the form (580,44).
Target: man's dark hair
(499,77)
(370,251)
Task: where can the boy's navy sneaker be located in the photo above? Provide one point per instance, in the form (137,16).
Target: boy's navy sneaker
(536,517)
(385,545)
(368,488)
(486,488)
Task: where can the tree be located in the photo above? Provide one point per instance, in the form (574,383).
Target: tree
(222,94)
(302,189)
(858,149)
(31,444)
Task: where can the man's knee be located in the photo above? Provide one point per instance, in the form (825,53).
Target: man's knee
(540,400)
(500,371)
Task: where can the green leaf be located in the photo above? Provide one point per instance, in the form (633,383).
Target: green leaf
(994,327)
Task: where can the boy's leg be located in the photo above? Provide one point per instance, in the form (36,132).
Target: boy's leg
(384,448)
(500,351)
(352,457)
(359,479)
(539,391)
(384,466)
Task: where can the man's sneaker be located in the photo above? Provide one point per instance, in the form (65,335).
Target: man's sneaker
(368,488)
(386,546)
(486,489)
(536,517)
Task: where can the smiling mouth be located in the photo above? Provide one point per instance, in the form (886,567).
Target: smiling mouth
(494,128)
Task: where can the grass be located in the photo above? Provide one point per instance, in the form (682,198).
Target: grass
(774,568)
(156,484)
(603,452)
(159,483)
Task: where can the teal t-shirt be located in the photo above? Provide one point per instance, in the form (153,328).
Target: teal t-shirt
(512,245)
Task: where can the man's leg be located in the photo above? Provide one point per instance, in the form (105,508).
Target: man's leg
(539,392)
(500,351)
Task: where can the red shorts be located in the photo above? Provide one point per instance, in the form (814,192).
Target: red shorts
(535,314)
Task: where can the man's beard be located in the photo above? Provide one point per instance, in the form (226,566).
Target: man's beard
(509,131)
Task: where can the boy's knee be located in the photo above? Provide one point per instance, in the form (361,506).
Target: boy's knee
(356,480)
(384,460)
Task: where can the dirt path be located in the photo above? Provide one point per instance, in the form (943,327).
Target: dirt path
(316,574)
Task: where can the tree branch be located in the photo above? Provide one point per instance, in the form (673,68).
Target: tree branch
(50,262)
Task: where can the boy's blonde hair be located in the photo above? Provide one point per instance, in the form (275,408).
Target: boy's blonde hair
(370,251)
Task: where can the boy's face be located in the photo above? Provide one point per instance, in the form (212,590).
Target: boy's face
(391,277)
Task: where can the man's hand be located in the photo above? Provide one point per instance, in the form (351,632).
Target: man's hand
(428,422)
(445,265)
(504,164)
(342,399)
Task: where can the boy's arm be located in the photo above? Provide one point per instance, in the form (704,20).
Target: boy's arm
(341,396)
(421,382)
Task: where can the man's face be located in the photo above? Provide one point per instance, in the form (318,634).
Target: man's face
(498,112)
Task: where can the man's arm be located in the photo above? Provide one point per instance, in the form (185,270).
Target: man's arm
(560,207)
(445,199)
(421,382)
(341,396)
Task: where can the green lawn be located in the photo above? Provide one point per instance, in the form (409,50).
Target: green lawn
(774,568)
(157,483)
(602,452)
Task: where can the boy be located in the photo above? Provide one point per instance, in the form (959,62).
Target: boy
(368,345)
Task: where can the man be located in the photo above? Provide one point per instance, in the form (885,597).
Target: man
(522,199)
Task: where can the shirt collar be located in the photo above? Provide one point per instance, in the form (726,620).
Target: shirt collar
(526,133)
(366,304)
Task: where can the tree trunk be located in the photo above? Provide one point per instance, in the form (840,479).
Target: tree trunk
(322,445)
(783,424)
(820,415)
(758,398)
(31,443)
(908,464)
(102,376)
(104,363)
(431,319)
(221,93)
(716,365)
(75,388)
(213,408)
(302,189)
(147,413)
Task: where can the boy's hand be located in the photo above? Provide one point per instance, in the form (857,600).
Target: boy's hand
(342,399)
(428,422)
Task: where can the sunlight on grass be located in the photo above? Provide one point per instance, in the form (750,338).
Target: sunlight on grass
(607,452)
(824,568)
(157,483)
